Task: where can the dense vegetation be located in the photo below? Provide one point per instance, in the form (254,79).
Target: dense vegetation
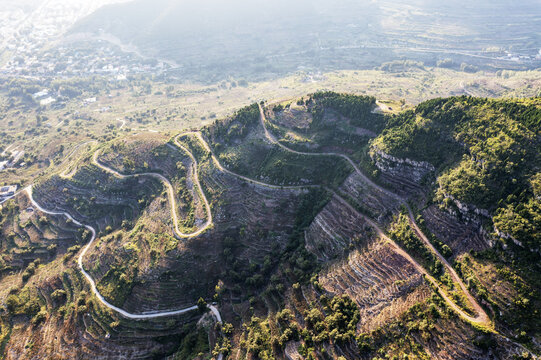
(240,145)
(402,233)
(355,107)
(410,136)
(508,282)
(237,126)
(333,320)
(486,152)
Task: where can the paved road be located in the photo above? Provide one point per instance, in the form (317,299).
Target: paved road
(122,312)
(12,196)
(126,314)
(147,315)
(170,191)
(150,314)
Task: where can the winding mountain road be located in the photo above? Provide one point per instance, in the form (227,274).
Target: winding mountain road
(170,192)
(222,169)
(481,316)
(476,319)
(273,140)
(124,313)
(89,278)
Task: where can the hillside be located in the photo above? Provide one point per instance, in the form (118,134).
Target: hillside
(322,227)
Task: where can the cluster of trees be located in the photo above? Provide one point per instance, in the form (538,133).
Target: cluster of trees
(118,282)
(256,339)
(358,108)
(237,126)
(521,219)
(512,291)
(20,88)
(76,86)
(194,342)
(256,159)
(528,112)
(194,146)
(445,63)
(402,233)
(486,152)
(297,263)
(335,322)
(30,270)
(248,275)
(25,302)
(405,137)
(468,183)
(401,66)
(288,168)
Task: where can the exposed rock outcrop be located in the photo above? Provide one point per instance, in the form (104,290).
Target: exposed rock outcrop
(401,174)
(468,212)
(402,167)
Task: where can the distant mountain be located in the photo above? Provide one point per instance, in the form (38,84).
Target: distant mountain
(213,38)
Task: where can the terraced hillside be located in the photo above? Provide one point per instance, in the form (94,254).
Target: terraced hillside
(240,144)
(28,235)
(314,228)
(48,307)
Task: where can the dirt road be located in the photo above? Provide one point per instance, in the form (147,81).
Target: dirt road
(481,317)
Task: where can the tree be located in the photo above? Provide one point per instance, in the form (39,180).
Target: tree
(202,305)
(12,302)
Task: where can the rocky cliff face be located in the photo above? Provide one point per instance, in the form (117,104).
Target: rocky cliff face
(507,236)
(468,212)
(407,172)
(402,168)
(403,175)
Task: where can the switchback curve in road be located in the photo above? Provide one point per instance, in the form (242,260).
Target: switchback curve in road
(227,171)
(170,192)
(478,319)
(419,267)
(89,278)
(481,315)
(102,300)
